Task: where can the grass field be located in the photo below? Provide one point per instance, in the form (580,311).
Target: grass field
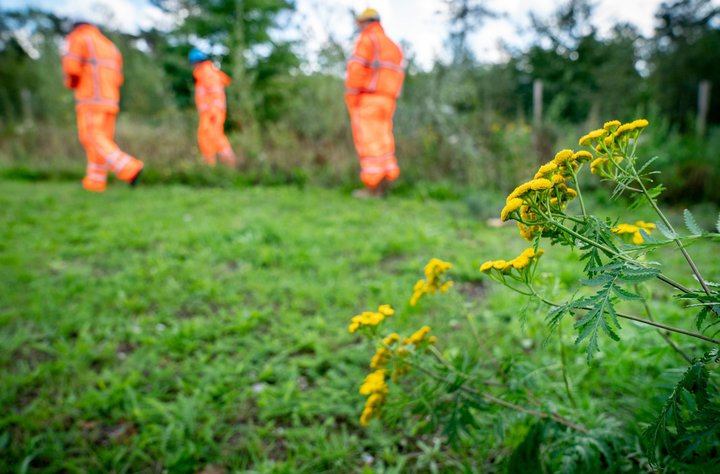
(172,329)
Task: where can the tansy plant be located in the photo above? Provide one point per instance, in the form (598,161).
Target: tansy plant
(618,270)
(392,358)
(445,388)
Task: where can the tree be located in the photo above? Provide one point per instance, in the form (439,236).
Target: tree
(240,33)
(465,16)
(30,66)
(686,50)
(582,73)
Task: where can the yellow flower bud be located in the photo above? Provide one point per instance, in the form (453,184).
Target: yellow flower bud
(511,206)
(611,125)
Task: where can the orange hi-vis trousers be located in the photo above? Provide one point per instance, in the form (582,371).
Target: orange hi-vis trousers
(372,127)
(96,128)
(211,136)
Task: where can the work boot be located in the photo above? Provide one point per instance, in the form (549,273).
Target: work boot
(383,188)
(229,159)
(367,193)
(136,178)
(93,186)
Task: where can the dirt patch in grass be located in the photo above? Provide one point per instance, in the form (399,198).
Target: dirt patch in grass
(474,290)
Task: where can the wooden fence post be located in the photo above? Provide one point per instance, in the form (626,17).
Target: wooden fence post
(538,138)
(537,102)
(26,106)
(703,106)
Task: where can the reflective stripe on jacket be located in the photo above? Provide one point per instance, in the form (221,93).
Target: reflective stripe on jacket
(376,64)
(210,83)
(92,67)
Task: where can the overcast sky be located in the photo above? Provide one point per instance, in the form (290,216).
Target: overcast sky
(421,23)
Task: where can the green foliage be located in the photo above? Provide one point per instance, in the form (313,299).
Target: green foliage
(688,426)
(691,223)
(32,86)
(709,306)
(240,34)
(687,44)
(601,316)
(549,448)
(531,206)
(145,92)
(597,231)
(580,71)
(180,327)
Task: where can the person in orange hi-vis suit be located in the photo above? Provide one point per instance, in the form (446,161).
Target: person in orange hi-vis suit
(373,84)
(210,83)
(92,67)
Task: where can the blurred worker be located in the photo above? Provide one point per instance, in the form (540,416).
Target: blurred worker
(374,81)
(92,67)
(210,83)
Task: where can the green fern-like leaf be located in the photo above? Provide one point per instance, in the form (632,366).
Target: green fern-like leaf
(598,231)
(710,304)
(666,231)
(647,164)
(595,322)
(625,294)
(689,421)
(647,238)
(635,274)
(601,317)
(656,191)
(691,223)
(556,314)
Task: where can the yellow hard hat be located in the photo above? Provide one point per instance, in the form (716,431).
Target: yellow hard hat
(370,14)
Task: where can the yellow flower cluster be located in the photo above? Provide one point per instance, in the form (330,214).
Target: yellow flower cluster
(370,318)
(374,386)
(612,136)
(519,263)
(634,229)
(626,128)
(433,281)
(419,336)
(586,140)
(376,390)
(547,188)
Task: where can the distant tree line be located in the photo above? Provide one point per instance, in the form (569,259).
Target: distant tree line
(583,73)
(457,119)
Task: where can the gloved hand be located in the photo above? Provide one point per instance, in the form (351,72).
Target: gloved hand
(72,81)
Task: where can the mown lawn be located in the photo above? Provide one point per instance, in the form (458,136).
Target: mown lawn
(178,329)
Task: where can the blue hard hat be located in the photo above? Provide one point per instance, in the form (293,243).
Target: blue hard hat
(197,56)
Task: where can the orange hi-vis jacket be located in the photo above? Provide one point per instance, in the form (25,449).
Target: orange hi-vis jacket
(92,67)
(210,83)
(376,65)
(373,83)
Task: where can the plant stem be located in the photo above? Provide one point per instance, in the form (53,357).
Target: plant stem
(480,342)
(499,401)
(636,319)
(666,327)
(664,335)
(563,361)
(607,249)
(679,243)
(673,283)
(454,370)
(579,193)
(554,416)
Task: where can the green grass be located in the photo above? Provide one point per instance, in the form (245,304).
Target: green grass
(175,328)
